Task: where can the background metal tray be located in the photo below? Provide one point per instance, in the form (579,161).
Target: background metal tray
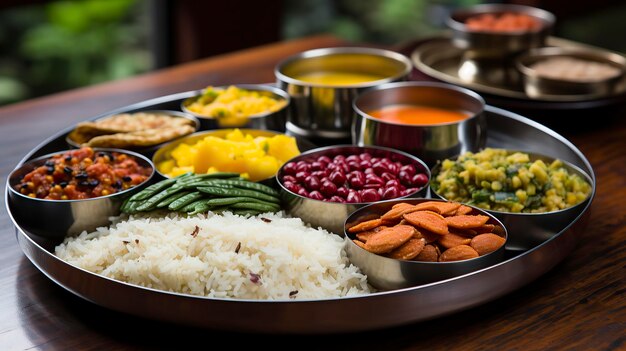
(440,59)
(377,310)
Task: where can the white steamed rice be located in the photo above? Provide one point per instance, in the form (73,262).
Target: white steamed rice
(286,256)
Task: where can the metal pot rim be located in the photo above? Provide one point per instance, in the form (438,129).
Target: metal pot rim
(415,84)
(408,65)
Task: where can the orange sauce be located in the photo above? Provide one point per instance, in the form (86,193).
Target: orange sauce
(418,115)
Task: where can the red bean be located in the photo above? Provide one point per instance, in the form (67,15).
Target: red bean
(409,191)
(393,183)
(316,195)
(393,169)
(353,158)
(336,198)
(354,166)
(312,183)
(419,179)
(364,164)
(405,177)
(304,167)
(303,192)
(339,158)
(289,178)
(380,168)
(328,188)
(365,156)
(353,196)
(301,176)
(291,186)
(342,191)
(410,169)
(324,159)
(369,195)
(369,170)
(290,168)
(319,174)
(387,176)
(337,177)
(317,166)
(391,193)
(357,181)
(374,179)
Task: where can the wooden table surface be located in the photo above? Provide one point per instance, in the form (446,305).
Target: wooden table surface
(580,304)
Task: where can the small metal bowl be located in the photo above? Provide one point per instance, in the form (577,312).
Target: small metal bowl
(164,153)
(389,274)
(429,142)
(325,110)
(267,120)
(56,219)
(527,230)
(540,85)
(148,151)
(331,215)
(498,44)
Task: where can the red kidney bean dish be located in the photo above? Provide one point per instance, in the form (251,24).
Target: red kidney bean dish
(352,178)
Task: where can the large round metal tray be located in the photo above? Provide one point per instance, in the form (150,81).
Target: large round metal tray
(377,310)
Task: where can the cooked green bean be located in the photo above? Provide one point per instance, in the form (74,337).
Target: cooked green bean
(192,205)
(184,200)
(255,206)
(248,185)
(150,204)
(217,175)
(152,189)
(130,207)
(168,200)
(205,183)
(222,192)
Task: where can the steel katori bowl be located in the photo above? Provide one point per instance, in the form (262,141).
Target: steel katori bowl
(56,219)
(331,215)
(269,120)
(429,142)
(389,274)
(498,44)
(580,78)
(527,230)
(324,110)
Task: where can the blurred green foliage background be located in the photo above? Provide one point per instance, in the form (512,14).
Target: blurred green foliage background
(63,44)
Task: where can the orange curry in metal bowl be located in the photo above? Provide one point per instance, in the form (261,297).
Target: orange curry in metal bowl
(418,115)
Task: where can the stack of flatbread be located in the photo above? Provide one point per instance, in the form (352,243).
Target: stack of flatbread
(134,130)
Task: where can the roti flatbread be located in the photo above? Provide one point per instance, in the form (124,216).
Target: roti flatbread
(144,129)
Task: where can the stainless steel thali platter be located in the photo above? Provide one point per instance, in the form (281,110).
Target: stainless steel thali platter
(438,58)
(373,311)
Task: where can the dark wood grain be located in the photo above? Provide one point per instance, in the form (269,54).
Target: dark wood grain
(578,305)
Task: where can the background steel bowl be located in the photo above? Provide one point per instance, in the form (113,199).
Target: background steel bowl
(527,230)
(429,142)
(55,219)
(498,44)
(267,120)
(537,85)
(331,215)
(388,273)
(325,111)
(148,151)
